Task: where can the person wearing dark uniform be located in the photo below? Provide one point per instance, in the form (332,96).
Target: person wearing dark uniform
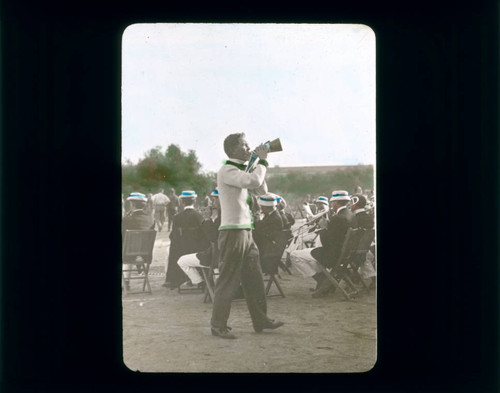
(137,218)
(208,257)
(286,217)
(306,260)
(363,219)
(268,234)
(173,207)
(332,239)
(186,237)
(239,255)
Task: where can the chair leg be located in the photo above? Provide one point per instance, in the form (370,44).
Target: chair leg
(146,278)
(124,284)
(280,290)
(284,268)
(209,291)
(336,283)
(269,283)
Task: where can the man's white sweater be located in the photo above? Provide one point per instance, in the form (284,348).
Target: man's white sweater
(234,185)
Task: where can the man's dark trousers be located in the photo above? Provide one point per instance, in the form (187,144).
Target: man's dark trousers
(239,263)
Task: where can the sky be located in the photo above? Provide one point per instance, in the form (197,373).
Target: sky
(311,85)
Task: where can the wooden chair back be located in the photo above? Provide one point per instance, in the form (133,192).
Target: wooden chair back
(138,244)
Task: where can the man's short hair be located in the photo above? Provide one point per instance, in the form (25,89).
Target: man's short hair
(231,142)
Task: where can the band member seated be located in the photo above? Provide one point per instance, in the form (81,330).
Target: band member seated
(290,220)
(173,207)
(322,207)
(363,218)
(307,261)
(286,218)
(137,218)
(186,237)
(209,257)
(268,234)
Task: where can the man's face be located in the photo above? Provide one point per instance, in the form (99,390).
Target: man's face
(242,150)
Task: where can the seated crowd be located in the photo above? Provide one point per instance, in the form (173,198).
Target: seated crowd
(194,237)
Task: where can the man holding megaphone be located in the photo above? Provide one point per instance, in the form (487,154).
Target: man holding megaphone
(239,255)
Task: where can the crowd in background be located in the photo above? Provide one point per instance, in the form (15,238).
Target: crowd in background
(193,222)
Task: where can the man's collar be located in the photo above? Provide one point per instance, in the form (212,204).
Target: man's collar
(340,209)
(188,207)
(237,163)
(271,212)
(359,211)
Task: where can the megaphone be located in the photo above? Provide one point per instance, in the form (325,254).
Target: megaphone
(271,147)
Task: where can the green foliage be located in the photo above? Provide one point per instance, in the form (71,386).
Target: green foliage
(167,169)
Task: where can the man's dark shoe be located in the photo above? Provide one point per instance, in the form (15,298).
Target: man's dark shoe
(270,324)
(323,290)
(223,332)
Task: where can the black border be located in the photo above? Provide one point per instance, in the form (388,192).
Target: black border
(437,173)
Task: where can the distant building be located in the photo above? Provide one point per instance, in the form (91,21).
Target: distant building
(306,170)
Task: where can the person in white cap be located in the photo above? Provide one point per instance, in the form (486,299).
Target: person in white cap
(186,237)
(137,218)
(366,221)
(268,233)
(306,261)
(239,255)
(286,217)
(322,207)
(363,219)
(208,257)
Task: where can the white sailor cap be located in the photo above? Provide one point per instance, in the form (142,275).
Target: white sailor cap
(276,196)
(323,200)
(188,194)
(340,195)
(267,200)
(137,196)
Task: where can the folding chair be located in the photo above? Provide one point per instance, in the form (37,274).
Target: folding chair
(288,237)
(209,275)
(339,271)
(137,254)
(275,259)
(359,255)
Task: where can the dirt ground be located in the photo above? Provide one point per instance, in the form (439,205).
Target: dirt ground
(169,331)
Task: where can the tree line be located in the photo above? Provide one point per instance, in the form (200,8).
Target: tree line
(169,168)
(173,168)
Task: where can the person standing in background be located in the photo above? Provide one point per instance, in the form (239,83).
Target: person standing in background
(160,201)
(173,207)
